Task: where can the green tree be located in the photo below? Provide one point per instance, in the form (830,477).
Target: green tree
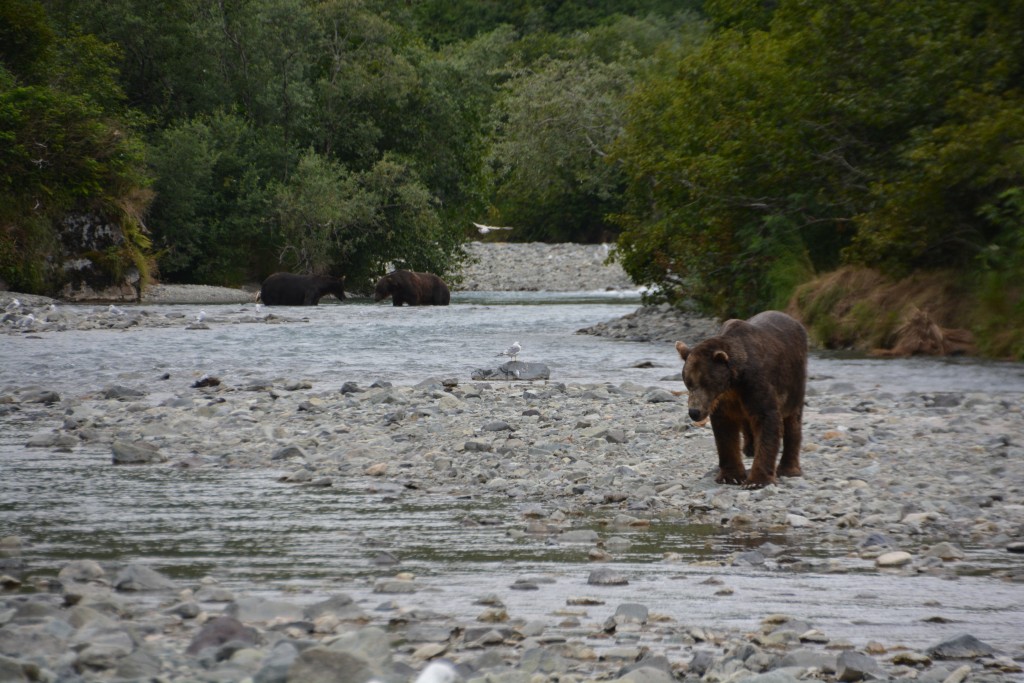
(555,125)
(833,132)
(362,84)
(443,129)
(554,130)
(164,68)
(451,21)
(26,38)
(360,224)
(68,156)
(238,93)
(210,216)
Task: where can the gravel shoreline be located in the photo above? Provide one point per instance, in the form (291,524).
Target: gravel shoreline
(535,266)
(907,485)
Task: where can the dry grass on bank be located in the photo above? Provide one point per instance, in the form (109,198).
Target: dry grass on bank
(861,309)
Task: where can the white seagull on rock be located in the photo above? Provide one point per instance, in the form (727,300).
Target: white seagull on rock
(512,351)
(484,229)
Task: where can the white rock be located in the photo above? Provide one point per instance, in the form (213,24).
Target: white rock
(896,558)
(797,521)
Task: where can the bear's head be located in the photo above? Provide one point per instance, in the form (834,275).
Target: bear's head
(385,287)
(335,286)
(707,373)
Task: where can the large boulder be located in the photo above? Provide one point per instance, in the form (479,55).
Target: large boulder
(220,631)
(136,453)
(85,262)
(963,646)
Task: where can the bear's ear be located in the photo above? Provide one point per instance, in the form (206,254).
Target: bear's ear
(721,356)
(683,350)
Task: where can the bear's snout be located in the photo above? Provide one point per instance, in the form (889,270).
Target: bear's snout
(695,414)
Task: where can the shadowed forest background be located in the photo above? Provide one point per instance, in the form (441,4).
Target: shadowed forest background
(741,154)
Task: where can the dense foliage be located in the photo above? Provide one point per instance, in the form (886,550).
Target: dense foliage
(734,149)
(349,136)
(67,150)
(886,134)
(296,135)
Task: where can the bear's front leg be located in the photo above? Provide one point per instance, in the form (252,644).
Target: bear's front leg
(727,442)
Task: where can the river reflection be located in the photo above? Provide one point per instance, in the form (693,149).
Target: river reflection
(253,533)
(194,522)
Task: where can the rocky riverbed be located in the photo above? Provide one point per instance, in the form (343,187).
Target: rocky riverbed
(910,485)
(905,487)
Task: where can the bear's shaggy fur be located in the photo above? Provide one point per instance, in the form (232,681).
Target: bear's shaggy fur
(750,379)
(415,289)
(289,289)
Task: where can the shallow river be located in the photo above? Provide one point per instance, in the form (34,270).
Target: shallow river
(257,535)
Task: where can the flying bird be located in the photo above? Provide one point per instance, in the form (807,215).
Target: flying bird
(484,229)
(512,351)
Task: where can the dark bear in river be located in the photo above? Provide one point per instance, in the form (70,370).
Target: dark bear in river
(289,289)
(415,289)
(750,379)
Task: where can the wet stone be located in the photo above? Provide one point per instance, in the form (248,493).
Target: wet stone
(631,613)
(605,576)
(964,646)
(136,453)
(139,577)
(856,666)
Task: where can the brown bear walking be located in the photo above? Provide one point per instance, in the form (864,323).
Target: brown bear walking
(750,379)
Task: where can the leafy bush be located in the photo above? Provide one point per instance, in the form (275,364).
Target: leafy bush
(862,132)
(361,224)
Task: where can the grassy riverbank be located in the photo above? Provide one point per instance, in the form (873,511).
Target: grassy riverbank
(925,313)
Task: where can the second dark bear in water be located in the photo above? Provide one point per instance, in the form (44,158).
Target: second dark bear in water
(291,289)
(751,379)
(415,289)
